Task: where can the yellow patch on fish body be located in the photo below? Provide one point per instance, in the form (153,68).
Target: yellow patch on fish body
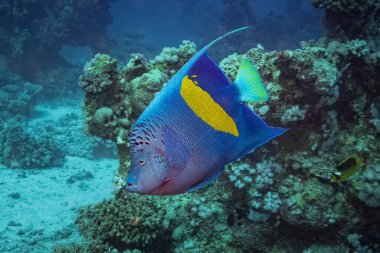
(204,106)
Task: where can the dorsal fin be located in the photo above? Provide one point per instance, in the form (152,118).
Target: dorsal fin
(207,75)
(203,50)
(184,70)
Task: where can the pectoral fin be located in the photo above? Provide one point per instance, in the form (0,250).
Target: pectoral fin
(249,83)
(176,152)
(207,181)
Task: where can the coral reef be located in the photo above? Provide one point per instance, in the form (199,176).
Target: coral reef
(34,152)
(367,187)
(171,59)
(280,197)
(313,205)
(45,136)
(341,13)
(122,222)
(16,95)
(143,89)
(375,111)
(99,74)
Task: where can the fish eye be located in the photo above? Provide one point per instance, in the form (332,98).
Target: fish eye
(141,162)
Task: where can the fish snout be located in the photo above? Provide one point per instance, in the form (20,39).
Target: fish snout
(134,184)
(131,184)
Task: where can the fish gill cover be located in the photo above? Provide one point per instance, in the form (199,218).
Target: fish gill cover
(279,198)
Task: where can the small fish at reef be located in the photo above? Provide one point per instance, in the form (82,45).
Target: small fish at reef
(347,168)
(196,125)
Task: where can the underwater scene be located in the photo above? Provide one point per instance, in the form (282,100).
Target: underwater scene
(137,126)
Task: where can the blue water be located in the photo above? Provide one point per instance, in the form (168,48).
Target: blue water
(63,162)
(168,23)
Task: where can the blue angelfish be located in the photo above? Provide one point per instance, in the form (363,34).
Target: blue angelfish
(196,125)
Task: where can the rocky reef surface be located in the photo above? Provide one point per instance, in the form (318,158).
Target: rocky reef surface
(279,198)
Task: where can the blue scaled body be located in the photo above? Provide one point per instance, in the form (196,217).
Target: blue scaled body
(196,125)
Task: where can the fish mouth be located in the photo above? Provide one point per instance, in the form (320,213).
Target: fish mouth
(136,189)
(135,186)
(131,188)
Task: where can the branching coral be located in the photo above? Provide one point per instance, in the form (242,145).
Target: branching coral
(367,186)
(258,177)
(155,223)
(256,183)
(124,222)
(207,218)
(312,204)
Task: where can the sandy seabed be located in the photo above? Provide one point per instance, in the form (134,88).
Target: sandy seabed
(38,207)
